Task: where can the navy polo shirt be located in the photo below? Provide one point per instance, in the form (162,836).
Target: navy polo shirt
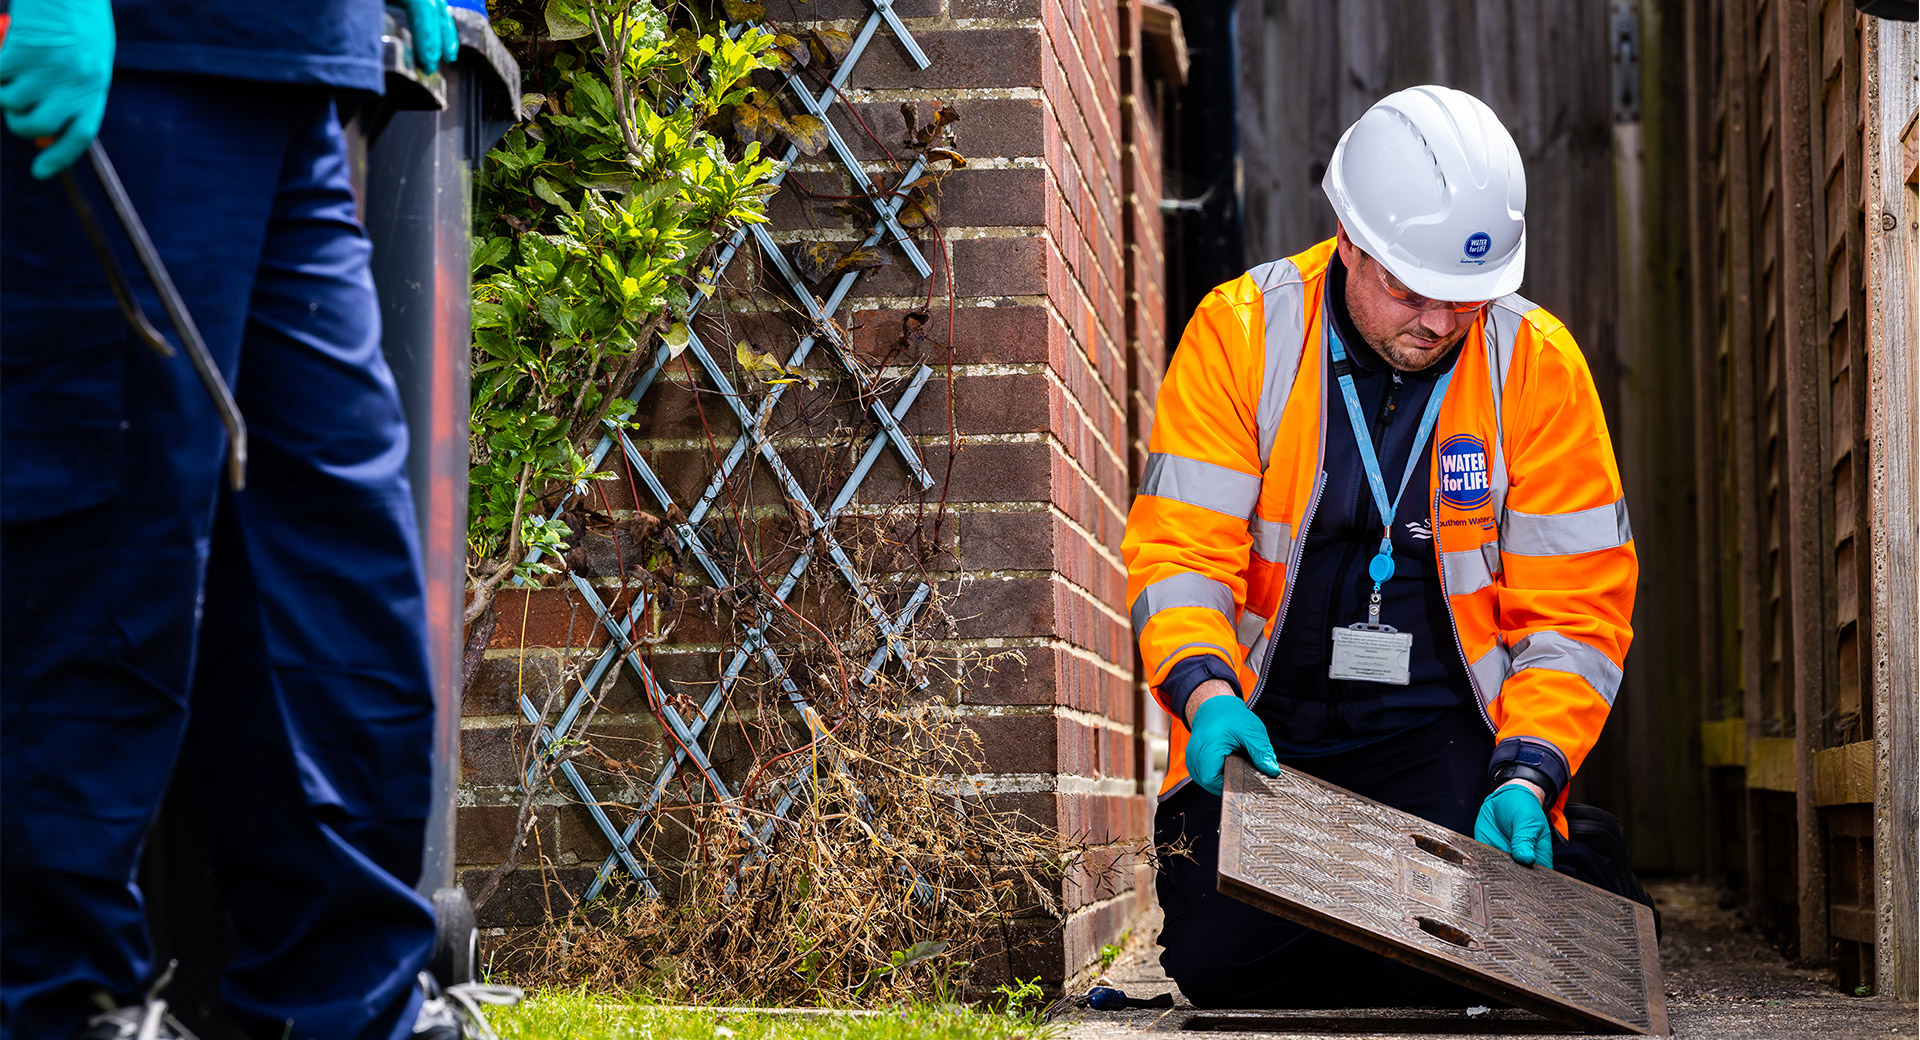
(1306,712)
(332,43)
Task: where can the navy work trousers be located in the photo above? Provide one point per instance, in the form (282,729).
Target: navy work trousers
(269,643)
(1224,953)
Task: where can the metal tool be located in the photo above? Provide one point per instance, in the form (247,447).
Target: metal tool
(176,308)
(183,325)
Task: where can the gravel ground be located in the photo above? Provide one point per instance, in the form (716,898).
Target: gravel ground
(1723,983)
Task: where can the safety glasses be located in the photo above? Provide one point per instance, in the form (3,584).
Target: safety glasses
(1416,301)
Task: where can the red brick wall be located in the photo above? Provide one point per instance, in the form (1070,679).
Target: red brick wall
(1044,287)
(1143,104)
(1057,332)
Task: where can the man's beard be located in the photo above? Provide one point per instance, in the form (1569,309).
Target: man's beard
(1405,359)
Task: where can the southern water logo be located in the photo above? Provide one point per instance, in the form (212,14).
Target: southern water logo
(1464,480)
(1477,247)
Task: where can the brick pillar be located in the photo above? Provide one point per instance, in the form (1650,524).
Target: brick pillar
(1056,327)
(1044,283)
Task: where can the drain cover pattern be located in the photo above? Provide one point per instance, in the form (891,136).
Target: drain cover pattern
(1394,883)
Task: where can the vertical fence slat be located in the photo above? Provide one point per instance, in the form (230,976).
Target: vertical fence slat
(1704,269)
(1802,439)
(1891,55)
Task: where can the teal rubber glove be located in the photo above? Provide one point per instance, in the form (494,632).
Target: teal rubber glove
(1221,726)
(54,69)
(1513,821)
(435,37)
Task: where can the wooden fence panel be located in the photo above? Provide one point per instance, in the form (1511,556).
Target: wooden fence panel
(1844,728)
(1816,465)
(1309,68)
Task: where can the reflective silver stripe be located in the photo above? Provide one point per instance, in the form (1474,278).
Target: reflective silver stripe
(1256,658)
(1466,571)
(1489,672)
(1249,628)
(1283,339)
(1256,655)
(1555,652)
(1566,534)
(1507,314)
(1224,655)
(1504,320)
(1185,589)
(1272,541)
(1202,484)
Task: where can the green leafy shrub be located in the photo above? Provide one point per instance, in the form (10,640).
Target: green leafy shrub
(593,222)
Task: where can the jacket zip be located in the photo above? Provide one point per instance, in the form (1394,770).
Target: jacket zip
(1439,559)
(1387,405)
(1293,572)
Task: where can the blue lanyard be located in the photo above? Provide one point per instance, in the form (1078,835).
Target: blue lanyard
(1380,568)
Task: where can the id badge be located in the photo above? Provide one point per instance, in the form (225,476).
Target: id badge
(1371,653)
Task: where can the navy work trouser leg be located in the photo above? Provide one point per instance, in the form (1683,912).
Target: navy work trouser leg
(1224,953)
(270,643)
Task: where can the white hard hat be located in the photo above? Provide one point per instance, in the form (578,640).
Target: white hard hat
(1429,183)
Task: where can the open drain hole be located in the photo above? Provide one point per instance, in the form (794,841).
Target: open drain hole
(1434,847)
(1444,932)
(1379,1023)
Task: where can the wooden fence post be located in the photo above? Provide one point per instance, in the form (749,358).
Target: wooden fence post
(1891,51)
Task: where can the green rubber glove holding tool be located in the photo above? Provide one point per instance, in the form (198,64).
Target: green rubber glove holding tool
(55,65)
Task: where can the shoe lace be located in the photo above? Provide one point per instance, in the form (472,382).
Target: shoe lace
(469,998)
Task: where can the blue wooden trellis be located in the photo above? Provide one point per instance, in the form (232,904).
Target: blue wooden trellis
(753,642)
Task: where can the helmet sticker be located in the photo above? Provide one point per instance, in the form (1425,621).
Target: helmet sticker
(1478,245)
(1464,480)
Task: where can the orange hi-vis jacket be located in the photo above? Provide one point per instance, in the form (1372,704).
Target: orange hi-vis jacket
(1535,556)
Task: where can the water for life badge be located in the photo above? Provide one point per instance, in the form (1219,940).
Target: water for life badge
(1465,482)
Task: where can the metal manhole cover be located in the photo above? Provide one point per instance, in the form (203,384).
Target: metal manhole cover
(1400,886)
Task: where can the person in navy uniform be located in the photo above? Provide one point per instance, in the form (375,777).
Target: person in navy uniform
(268,644)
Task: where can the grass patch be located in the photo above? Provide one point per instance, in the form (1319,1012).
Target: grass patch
(580,1014)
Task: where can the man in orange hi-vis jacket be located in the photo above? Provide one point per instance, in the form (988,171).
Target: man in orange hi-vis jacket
(1381,539)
